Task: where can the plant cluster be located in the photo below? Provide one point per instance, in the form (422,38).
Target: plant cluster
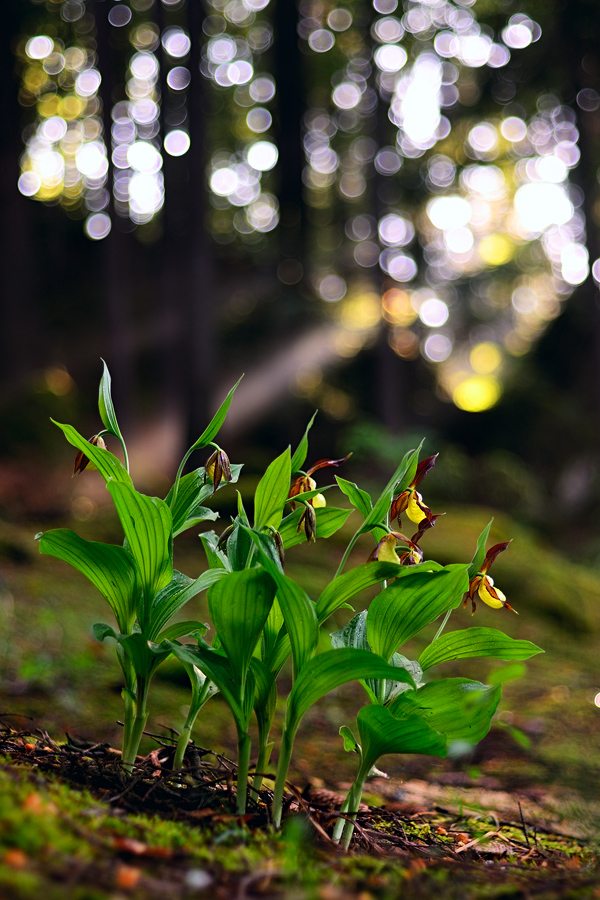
(261,617)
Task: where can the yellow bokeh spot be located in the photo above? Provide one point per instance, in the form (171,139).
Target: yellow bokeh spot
(71,106)
(496,249)
(49,105)
(477,393)
(362,311)
(397,307)
(485,358)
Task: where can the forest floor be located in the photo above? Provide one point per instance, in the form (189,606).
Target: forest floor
(518,817)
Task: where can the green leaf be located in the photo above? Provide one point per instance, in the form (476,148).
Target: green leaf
(459,708)
(102,631)
(350,742)
(211,431)
(216,667)
(344,587)
(107,464)
(272,492)
(187,509)
(105,404)
(302,449)
(381,733)
(406,606)
(144,655)
(476,642)
(176,594)
(147,524)
(111,569)
(328,671)
(239,606)
(477,560)
(216,558)
(399,481)
(191,628)
(265,697)
(239,547)
(354,634)
(358,498)
(308,495)
(266,548)
(329,520)
(296,606)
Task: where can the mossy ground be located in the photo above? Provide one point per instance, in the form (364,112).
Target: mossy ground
(543,751)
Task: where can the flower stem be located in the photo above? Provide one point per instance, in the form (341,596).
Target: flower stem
(283,764)
(130,749)
(244,746)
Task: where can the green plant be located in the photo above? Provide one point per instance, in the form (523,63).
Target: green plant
(262,617)
(138,579)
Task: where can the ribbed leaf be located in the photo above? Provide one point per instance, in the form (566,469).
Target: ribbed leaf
(402,609)
(183,629)
(216,667)
(302,449)
(239,547)
(271,493)
(211,431)
(459,708)
(239,605)
(399,481)
(107,464)
(176,594)
(147,525)
(296,606)
(358,498)
(111,569)
(477,560)
(329,520)
(354,634)
(265,696)
(329,670)
(144,655)
(216,558)
(476,642)
(381,733)
(105,404)
(344,587)
(187,510)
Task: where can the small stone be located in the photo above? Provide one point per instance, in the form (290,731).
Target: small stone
(198,879)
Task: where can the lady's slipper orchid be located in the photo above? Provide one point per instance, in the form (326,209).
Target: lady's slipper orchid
(385,551)
(308,522)
(217,468)
(483,585)
(81,460)
(304,482)
(410,501)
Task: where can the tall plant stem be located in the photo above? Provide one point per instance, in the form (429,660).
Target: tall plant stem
(355,796)
(264,755)
(244,746)
(347,553)
(443,625)
(130,749)
(283,764)
(339,825)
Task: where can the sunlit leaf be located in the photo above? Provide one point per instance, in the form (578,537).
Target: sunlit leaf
(346,586)
(472,642)
(239,605)
(187,509)
(105,404)
(329,670)
(399,481)
(459,708)
(107,464)
(147,524)
(358,498)
(271,493)
(381,732)
(296,606)
(111,569)
(301,451)
(211,431)
(409,603)
(176,594)
(477,560)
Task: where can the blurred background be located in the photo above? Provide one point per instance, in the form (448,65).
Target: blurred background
(385,210)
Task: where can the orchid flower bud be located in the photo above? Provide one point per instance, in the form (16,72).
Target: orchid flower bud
(308,523)
(81,460)
(217,468)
